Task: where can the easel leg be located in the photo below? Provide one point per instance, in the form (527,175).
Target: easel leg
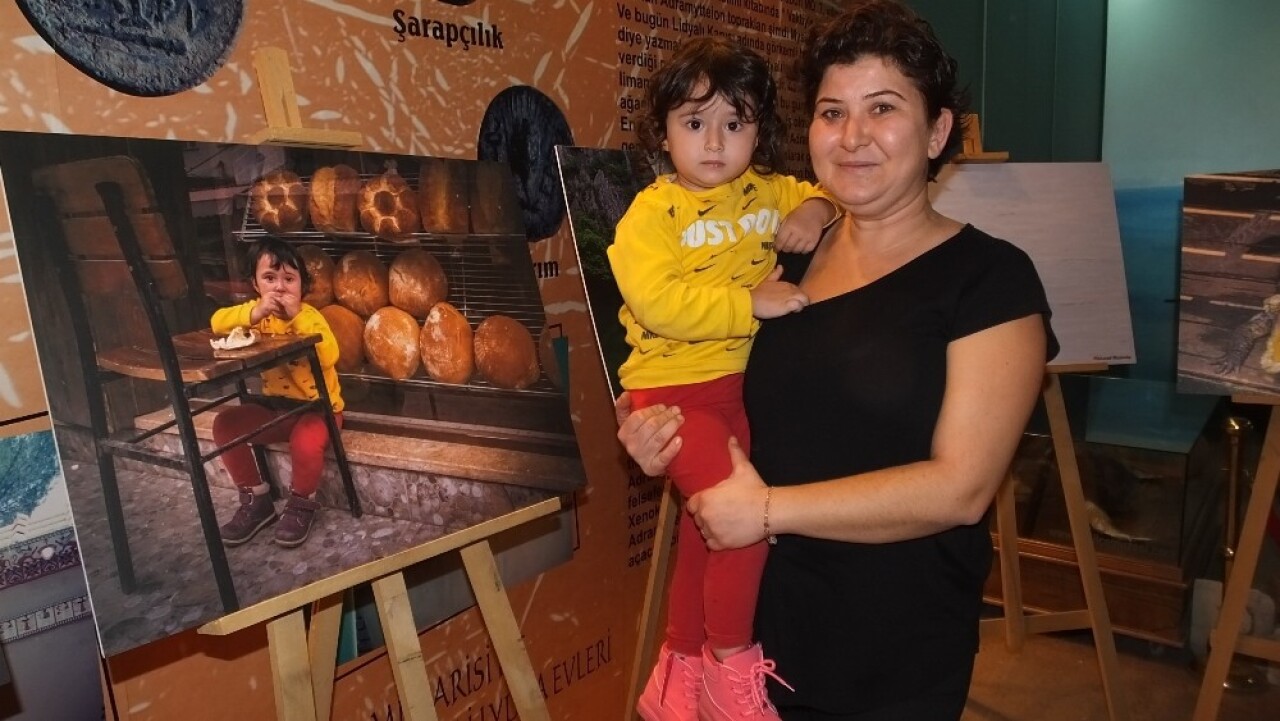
(1223,640)
(1086,559)
(486,583)
(1015,627)
(322,641)
(404,649)
(290,668)
(668,512)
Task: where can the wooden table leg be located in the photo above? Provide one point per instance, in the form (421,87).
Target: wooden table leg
(1015,625)
(322,645)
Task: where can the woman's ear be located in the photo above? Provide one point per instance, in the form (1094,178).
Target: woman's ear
(940,132)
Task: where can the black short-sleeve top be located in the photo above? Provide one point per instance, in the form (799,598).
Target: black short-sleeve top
(854,383)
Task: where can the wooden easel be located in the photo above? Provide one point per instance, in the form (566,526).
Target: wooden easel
(1225,640)
(303,660)
(1016,623)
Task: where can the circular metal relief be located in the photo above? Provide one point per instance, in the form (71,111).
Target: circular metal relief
(522,127)
(140,47)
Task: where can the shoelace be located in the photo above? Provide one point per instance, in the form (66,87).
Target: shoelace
(751,692)
(692,682)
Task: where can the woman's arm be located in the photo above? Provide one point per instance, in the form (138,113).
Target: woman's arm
(993,380)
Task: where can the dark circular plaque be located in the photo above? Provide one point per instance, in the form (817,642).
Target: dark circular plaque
(522,127)
(140,47)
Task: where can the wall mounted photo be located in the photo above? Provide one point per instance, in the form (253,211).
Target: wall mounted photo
(1229,294)
(421,272)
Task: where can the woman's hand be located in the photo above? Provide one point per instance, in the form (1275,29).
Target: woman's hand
(730,514)
(649,434)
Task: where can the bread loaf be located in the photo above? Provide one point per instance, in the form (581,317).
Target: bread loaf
(416,282)
(360,282)
(335,190)
(320,268)
(391,342)
(505,352)
(279,202)
(443,200)
(389,207)
(446,345)
(348,328)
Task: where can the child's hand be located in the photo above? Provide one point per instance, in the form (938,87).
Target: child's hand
(267,305)
(801,230)
(773,297)
(290,305)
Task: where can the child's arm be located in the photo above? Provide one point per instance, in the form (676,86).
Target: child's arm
(225,320)
(645,258)
(309,321)
(801,230)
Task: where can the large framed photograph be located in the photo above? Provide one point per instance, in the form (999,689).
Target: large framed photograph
(421,270)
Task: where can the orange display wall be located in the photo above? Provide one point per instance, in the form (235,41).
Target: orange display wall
(414,78)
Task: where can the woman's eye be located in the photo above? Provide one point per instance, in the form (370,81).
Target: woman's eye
(881,108)
(829,114)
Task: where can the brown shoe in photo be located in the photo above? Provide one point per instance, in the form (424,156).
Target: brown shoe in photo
(255,513)
(295,522)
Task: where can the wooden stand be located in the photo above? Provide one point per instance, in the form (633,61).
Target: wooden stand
(303,660)
(1225,640)
(654,595)
(1016,624)
(284,121)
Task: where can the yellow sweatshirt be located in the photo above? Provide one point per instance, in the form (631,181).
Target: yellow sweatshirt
(293,380)
(686,262)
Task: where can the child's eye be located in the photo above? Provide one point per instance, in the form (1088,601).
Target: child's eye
(695,124)
(735,126)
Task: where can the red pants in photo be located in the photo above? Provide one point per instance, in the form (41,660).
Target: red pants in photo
(306,434)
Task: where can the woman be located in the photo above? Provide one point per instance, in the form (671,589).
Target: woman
(885,414)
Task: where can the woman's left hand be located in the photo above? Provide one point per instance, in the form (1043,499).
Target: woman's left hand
(730,514)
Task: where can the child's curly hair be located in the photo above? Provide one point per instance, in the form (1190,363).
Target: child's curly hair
(730,69)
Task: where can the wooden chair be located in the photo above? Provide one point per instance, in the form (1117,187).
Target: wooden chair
(114,241)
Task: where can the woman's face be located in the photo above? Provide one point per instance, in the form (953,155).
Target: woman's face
(871,138)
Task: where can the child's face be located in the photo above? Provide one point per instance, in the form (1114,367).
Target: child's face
(283,280)
(709,143)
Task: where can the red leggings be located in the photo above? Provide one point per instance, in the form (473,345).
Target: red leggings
(306,434)
(713,593)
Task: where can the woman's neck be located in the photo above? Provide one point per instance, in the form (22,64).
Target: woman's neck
(859,250)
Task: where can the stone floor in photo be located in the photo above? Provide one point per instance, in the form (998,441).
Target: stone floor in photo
(176,588)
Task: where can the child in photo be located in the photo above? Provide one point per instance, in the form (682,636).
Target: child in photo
(280,279)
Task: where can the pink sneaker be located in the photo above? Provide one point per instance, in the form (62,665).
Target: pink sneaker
(735,689)
(672,691)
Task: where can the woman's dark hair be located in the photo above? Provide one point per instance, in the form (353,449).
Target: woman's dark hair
(729,69)
(279,253)
(890,30)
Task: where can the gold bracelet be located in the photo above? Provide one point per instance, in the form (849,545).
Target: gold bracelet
(768,535)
